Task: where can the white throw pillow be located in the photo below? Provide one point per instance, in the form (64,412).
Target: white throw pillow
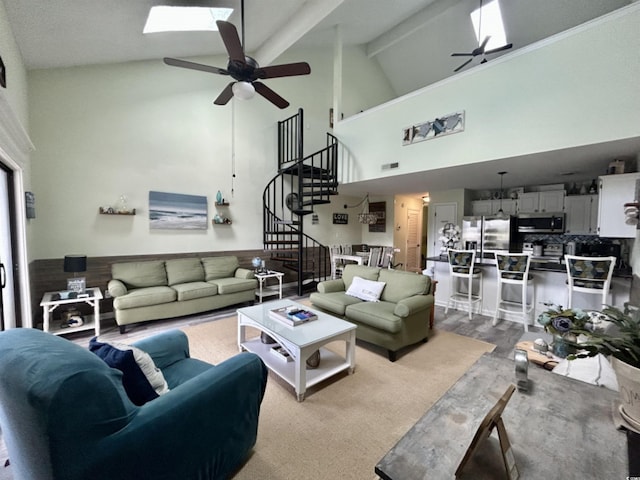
(367,290)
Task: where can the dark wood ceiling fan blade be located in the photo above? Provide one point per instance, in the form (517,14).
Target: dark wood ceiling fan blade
(462,54)
(231,40)
(485,41)
(284,70)
(176,62)
(499,49)
(270,95)
(464,65)
(225,95)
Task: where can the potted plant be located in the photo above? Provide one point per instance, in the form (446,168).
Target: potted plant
(621,342)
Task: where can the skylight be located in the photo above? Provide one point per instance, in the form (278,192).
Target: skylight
(164,18)
(491,25)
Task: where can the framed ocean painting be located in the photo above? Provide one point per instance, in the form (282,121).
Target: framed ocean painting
(177,211)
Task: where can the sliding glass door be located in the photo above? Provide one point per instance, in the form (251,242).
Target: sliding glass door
(7,298)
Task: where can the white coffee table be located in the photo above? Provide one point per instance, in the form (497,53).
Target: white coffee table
(301,342)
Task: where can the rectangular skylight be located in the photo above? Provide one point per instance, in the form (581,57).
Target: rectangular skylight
(491,25)
(164,18)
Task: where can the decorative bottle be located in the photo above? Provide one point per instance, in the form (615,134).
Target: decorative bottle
(594,187)
(219,197)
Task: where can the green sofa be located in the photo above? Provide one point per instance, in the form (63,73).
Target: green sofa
(152,290)
(399,319)
(65,414)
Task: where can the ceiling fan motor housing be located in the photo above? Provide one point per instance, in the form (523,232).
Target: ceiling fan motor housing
(243,72)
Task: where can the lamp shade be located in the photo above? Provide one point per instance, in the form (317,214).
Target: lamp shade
(75,263)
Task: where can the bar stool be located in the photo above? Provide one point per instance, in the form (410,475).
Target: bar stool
(513,269)
(462,267)
(589,275)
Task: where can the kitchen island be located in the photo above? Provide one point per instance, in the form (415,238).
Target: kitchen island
(549,286)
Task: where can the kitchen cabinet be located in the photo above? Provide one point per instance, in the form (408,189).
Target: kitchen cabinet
(615,191)
(581,214)
(547,201)
(491,207)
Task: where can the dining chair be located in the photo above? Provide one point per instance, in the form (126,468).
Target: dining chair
(337,265)
(374,256)
(589,275)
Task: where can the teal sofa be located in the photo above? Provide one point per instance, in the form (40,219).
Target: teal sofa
(65,414)
(158,289)
(399,319)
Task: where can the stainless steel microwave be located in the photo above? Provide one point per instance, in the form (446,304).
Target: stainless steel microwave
(541,223)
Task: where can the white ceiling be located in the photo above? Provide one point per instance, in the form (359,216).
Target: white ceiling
(411,39)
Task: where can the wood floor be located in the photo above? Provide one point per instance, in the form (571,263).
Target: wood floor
(504,335)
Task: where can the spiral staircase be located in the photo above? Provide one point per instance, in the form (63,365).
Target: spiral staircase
(301,184)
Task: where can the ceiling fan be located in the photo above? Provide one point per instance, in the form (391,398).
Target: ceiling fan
(243,69)
(480,49)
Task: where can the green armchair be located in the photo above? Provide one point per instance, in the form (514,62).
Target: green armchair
(65,415)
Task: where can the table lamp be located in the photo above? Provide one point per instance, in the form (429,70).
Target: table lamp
(75,264)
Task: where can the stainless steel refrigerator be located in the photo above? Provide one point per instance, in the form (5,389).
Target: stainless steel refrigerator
(472,234)
(499,234)
(490,234)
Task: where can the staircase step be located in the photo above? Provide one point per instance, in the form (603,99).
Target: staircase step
(287,222)
(327,184)
(307,171)
(313,193)
(305,212)
(281,242)
(280,232)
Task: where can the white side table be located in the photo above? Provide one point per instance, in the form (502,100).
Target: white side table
(263,289)
(51,301)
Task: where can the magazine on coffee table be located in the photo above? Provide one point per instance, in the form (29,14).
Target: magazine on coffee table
(292,315)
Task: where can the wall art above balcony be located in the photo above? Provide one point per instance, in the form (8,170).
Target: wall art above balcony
(436,128)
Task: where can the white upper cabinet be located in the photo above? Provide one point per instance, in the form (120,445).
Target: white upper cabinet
(615,191)
(551,201)
(581,215)
(491,207)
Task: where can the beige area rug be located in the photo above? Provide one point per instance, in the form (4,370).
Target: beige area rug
(347,424)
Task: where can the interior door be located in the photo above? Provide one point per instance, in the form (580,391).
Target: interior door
(413,241)
(7,303)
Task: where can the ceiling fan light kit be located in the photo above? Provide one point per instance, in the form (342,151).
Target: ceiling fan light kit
(243,90)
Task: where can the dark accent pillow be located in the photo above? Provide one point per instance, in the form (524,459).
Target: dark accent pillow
(141,379)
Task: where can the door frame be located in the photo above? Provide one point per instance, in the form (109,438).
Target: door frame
(20,267)
(15,146)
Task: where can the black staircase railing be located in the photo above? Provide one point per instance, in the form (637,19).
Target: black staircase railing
(301,183)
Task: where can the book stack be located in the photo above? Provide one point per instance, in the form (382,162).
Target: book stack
(292,315)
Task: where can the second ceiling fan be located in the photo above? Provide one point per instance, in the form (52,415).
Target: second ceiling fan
(480,49)
(243,69)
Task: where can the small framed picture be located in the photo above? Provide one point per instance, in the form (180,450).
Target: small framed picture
(76,284)
(30,204)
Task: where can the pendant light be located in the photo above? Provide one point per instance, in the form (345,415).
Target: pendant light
(501,212)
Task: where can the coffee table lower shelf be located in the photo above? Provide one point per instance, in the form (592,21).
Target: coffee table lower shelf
(330,364)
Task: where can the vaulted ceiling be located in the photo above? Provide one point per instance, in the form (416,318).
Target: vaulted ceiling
(412,40)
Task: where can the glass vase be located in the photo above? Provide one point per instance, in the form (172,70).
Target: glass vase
(561,348)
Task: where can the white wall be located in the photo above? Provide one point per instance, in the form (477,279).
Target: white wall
(16,91)
(578,88)
(103,131)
